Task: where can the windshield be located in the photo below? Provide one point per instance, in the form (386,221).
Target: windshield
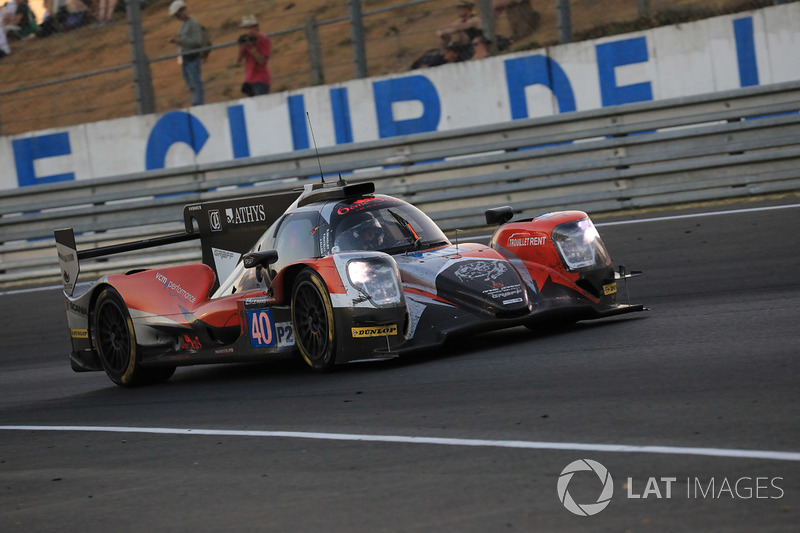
(382,224)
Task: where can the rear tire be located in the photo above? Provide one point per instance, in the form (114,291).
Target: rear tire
(115,342)
(313,322)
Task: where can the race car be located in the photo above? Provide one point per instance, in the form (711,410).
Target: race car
(337,274)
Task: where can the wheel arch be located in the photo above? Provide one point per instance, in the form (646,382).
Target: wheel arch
(96,291)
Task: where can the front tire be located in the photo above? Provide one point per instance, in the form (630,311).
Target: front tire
(313,322)
(115,341)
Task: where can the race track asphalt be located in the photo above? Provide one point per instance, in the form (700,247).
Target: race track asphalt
(712,367)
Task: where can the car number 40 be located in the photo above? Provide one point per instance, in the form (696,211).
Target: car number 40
(265,333)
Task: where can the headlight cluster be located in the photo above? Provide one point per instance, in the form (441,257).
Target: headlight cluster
(377,279)
(580,245)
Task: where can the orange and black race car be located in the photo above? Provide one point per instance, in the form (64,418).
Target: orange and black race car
(338,274)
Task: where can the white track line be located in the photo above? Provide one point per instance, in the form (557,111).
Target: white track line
(698,215)
(519,444)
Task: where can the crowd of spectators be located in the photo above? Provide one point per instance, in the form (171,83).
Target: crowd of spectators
(18,21)
(463,39)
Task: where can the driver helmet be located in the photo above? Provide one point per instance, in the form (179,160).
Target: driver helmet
(369,234)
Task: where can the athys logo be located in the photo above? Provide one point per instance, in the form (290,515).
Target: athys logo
(587,509)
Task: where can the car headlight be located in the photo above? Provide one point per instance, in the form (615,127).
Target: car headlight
(376,279)
(580,245)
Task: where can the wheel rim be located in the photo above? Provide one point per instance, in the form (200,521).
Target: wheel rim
(312,321)
(113,338)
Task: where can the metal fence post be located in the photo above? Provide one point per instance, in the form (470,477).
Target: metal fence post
(314,52)
(142,79)
(357,33)
(644,7)
(564,21)
(487,23)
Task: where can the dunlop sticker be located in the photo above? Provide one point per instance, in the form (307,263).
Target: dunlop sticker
(611,288)
(79,333)
(377,331)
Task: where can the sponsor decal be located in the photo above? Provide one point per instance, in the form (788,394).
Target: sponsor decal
(174,289)
(79,333)
(525,239)
(325,241)
(611,288)
(224,261)
(503,292)
(78,309)
(260,326)
(255,303)
(481,270)
(361,205)
(224,351)
(195,207)
(246,214)
(215,220)
(376,331)
(512,301)
(67,258)
(188,343)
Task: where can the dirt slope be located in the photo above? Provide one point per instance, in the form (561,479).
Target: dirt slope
(394,40)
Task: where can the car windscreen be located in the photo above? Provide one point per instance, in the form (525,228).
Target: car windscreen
(382,224)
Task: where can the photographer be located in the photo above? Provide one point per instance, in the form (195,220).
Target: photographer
(254,50)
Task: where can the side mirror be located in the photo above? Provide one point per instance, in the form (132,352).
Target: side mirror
(260,259)
(499,215)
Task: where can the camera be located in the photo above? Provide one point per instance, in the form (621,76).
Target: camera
(246,39)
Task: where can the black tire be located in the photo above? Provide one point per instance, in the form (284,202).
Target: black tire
(313,321)
(115,341)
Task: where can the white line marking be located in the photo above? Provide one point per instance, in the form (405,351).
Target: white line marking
(697,215)
(33,289)
(519,444)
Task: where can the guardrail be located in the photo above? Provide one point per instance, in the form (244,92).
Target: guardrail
(720,145)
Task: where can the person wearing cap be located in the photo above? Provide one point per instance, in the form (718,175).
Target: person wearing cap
(254,50)
(189,38)
(465,28)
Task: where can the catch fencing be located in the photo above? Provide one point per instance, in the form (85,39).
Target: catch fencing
(722,145)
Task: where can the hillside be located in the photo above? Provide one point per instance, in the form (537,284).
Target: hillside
(394,40)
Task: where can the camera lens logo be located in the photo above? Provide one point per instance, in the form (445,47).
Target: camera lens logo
(587,509)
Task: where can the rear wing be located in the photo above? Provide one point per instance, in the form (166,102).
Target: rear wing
(69,257)
(227,229)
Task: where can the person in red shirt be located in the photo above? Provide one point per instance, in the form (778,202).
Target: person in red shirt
(254,49)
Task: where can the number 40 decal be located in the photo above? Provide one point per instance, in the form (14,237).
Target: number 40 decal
(260,322)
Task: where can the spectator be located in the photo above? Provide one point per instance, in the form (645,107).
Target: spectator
(254,50)
(189,38)
(4,48)
(480,47)
(464,28)
(453,53)
(105,11)
(8,11)
(23,22)
(521,16)
(77,12)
